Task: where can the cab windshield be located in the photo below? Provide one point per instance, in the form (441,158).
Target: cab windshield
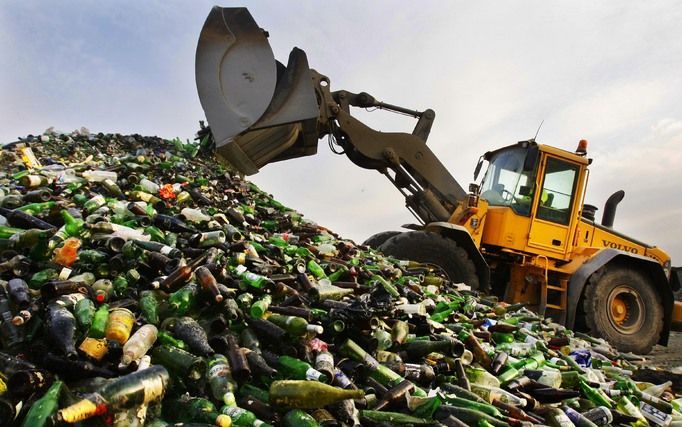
(506,183)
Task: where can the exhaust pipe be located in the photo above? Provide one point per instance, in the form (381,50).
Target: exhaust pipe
(610,208)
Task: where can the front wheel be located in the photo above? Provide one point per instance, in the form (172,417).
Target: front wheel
(622,306)
(435,249)
(378,239)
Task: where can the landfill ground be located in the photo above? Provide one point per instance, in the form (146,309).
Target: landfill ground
(669,357)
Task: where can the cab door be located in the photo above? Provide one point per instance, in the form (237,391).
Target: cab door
(553,206)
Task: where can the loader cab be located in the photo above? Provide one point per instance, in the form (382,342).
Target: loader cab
(534,194)
(510,177)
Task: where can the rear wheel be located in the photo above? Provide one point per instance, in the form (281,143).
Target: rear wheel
(434,249)
(376,240)
(622,306)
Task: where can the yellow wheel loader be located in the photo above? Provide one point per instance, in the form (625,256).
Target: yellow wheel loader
(523,232)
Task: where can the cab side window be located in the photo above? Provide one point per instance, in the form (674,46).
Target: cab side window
(558,188)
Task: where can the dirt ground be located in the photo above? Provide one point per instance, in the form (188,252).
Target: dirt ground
(669,357)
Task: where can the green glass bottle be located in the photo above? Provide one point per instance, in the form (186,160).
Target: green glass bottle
(184,299)
(92,256)
(393,418)
(149,305)
(120,285)
(298,418)
(31,238)
(309,394)
(140,387)
(486,408)
(131,251)
(99,322)
(555,417)
(316,269)
(257,392)
(156,234)
(251,279)
(43,408)
(296,369)
(159,247)
(72,225)
(379,372)
(626,407)
(164,337)
(483,377)
(180,362)
(597,396)
(94,203)
(242,417)
(112,188)
(294,325)
(219,376)
(194,410)
(84,312)
(38,207)
(41,277)
(7,232)
(259,307)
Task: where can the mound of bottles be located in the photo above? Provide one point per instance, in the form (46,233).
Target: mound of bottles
(144,283)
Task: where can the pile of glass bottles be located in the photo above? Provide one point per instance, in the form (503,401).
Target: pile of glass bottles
(142,283)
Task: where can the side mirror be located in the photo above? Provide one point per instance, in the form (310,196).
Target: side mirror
(478,168)
(524,190)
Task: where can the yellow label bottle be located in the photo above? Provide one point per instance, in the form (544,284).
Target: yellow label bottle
(119,325)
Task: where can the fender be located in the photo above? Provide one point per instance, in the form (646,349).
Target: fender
(462,237)
(609,256)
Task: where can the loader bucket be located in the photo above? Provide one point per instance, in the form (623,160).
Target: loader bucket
(259,110)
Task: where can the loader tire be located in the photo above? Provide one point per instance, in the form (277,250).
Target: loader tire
(378,239)
(435,249)
(622,306)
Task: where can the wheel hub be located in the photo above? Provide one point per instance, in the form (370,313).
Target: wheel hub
(626,309)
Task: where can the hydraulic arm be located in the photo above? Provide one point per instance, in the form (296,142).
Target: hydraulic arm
(430,192)
(261,111)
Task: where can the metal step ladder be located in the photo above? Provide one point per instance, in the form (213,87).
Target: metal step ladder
(553,292)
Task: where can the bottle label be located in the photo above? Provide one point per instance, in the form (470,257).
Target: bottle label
(94,348)
(154,389)
(341,379)
(573,415)
(562,420)
(325,359)
(33,180)
(166,250)
(599,416)
(64,273)
(219,370)
(233,411)
(253,277)
(412,371)
(655,415)
(312,374)
(371,362)
(80,411)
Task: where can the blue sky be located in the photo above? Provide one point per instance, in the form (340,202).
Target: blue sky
(605,71)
